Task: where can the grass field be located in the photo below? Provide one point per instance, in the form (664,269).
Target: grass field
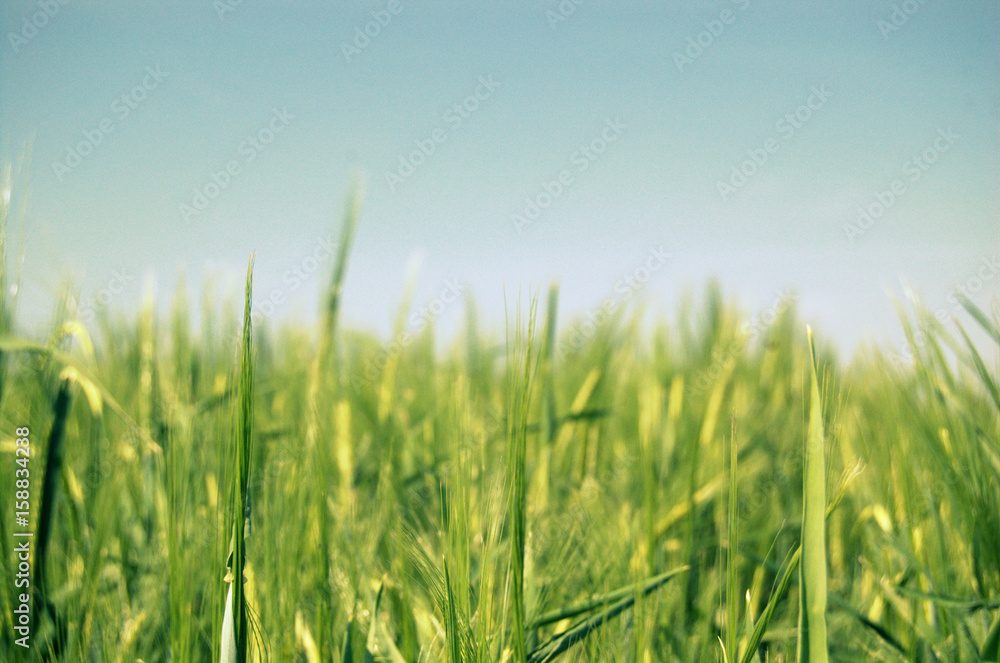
(691,493)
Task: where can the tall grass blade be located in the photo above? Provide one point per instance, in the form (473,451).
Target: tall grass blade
(349,655)
(549,419)
(371,646)
(43,530)
(234,644)
(550,416)
(732,588)
(53,468)
(988,380)
(812,646)
(331,310)
(451,621)
(519,394)
(790,566)
(977,314)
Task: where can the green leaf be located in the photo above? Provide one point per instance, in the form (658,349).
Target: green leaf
(991,647)
(604,600)
(234,647)
(812,571)
(732,589)
(980,317)
(559,644)
(373,627)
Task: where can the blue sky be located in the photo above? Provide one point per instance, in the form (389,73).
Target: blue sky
(648,113)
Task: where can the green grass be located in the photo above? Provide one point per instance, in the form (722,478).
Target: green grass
(234,640)
(521,496)
(812,644)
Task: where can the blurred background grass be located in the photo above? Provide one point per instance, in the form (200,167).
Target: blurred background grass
(393,483)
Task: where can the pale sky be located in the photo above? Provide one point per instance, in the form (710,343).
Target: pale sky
(626,128)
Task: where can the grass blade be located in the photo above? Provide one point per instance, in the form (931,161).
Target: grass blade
(451,621)
(790,567)
(53,472)
(991,647)
(373,626)
(234,644)
(732,590)
(559,644)
(980,366)
(331,310)
(980,317)
(607,599)
(812,572)
(517,424)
